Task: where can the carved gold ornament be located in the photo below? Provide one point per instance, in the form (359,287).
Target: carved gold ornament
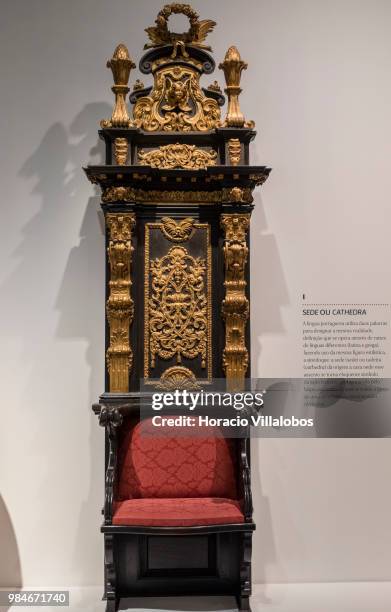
(198,30)
(178,156)
(176,103)
(178,307)
(177,231)
(232,67)
(119,306)
(235,307)
(178,377)
(234,150)
(120,65)
(178,298)
(121,151)
(129,194)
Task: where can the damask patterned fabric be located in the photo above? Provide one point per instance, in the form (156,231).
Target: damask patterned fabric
(157,465)
(185,512)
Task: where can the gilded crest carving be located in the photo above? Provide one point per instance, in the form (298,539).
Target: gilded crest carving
(176,103)
(235,307)
(198,30)
(178,156)
(177,231)
(119,306)
(178,318)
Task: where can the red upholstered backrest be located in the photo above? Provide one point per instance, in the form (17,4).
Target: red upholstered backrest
(163,465)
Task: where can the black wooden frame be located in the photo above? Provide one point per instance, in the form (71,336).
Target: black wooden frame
(111,417)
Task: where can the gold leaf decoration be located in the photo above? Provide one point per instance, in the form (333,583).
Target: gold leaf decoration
(119,306)
(177,231)
(198,30)
(178,156)
(177,377)
(178,317)
(235,307)
(176,103)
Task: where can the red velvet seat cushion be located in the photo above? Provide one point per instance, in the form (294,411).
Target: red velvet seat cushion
(155,463)
(185,512)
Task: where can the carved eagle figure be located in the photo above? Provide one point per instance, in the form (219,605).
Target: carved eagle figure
(160,35)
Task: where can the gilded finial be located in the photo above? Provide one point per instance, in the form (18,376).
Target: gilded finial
(120,64)
(232,66)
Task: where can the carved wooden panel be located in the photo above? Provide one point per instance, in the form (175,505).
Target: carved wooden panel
(178,301)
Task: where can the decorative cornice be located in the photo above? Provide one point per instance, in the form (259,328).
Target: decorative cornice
(226,195)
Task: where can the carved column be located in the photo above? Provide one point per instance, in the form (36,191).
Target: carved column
(235,307)
(119,307)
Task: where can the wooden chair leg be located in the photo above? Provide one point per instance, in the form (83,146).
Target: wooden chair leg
(243,597)
(112,605)
(112,600)
(243,603)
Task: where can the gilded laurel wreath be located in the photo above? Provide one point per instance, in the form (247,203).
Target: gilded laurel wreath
(196,34)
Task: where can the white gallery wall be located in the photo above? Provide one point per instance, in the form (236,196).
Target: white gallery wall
(319,88)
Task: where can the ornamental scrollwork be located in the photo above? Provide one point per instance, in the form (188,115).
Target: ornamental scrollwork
(178,317)
(176,103)
(178,156)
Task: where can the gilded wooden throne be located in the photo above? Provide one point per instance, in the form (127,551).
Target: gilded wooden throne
(177,197)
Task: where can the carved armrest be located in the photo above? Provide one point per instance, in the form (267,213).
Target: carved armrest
(246,481)
(111,419)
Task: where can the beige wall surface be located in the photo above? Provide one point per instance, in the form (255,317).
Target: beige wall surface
(319,87)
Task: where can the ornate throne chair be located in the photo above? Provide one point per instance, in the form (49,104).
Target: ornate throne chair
(177,198)
(178,512)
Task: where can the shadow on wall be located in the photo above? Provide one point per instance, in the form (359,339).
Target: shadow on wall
(10,568)
(79,297)
(84,278)
(268,294)
(268,285)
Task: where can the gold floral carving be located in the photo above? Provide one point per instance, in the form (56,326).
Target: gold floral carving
(119,306)
(121,151)
(178,377)
(198,30)
(130,194)
(232,67)
(178,320)
(176,103)
(177,231)
(178,302)
(178,156)
(234,150)
(121,65)
(235,307)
